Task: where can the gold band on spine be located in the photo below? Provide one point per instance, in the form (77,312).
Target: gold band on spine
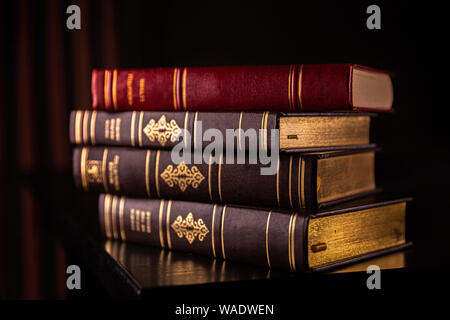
(84,155)
(290,87)
(219,183)
(113,217)
(104,161)
(169,242)
(278,181)
(85,127)
(147,170)
(209,176)
(300,106)
(184,88)
(106,209)
(114,89)
(186,117)
(93,119)
(239,131)
(302,178)
(289,241)
(267,238)
(156,173)
(212,231)
(195,130)
(265,131)
(290,181)
(221,232)
(175,88)
(132,129)
(161,237)
(106,89)
(78,116)
(121,224)
(141,118)
(292,242)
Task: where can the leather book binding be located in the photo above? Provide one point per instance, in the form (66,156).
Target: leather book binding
(308,87)
(164,130)
(298,180)
(261,236)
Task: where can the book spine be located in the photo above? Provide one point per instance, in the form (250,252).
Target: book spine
(239,88)
(263,237)
(153,174)
(164,130)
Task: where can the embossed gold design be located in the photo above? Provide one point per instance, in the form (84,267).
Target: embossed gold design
(94,171)
(182,176)
(189,228)
(162,131)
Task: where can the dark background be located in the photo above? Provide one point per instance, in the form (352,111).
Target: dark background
(45,72)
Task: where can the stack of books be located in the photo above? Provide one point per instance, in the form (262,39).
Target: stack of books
(268,165)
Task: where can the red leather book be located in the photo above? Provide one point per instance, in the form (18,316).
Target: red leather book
(309,87)
(297,240)
(297,180)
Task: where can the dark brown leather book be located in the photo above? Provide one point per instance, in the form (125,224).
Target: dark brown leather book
(299,180)
(293,240)
(164,130)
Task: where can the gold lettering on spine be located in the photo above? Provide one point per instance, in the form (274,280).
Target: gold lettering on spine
(289,241)
(107,121)
(292,242)
(132,219)
(148,215)
(212,231)
(239,131)
(93,119)
(130,79)
(104,161)
(267,238)
(114,89)
(141,119)
(278,181)
(121,225)
(147,170)
(290,181)
(133,124)
(184,88)
(219,184)
(156,173)
(84,155)
(221,231)
(78,127)
(118,122)
(300,88)
(142,90)
(169,207)
(114,217)
(85,127)
(106,209)
(185,128)
(161,238)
